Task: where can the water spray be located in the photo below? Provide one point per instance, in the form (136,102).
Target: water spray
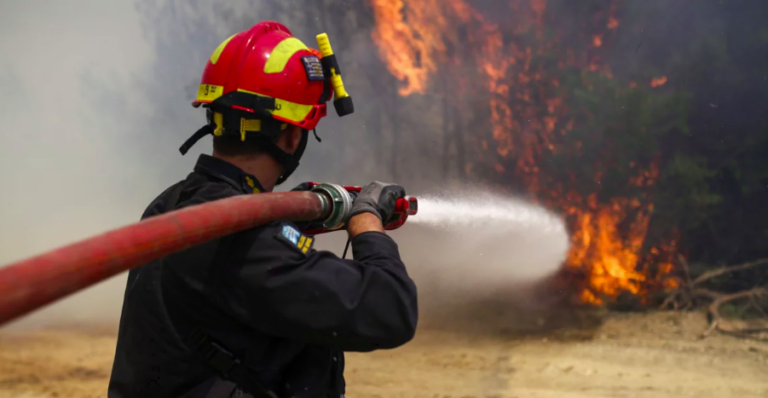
(479,209)
(471,242)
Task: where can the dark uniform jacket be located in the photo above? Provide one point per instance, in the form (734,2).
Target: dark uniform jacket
(285,311)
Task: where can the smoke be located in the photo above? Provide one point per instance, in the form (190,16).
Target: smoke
(66,173)
(96,104)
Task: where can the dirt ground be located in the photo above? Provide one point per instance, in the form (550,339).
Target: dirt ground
(563,355)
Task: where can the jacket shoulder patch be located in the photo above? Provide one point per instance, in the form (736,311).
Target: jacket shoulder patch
(293,237)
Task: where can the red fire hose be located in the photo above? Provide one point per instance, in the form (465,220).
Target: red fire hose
(30,284)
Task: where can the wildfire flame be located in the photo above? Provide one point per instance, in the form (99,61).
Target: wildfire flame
(597,40)
(613,23)
(528,112)
(413,47)
(658,81)
(614,260)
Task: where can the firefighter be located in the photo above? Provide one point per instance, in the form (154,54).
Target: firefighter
(260,313)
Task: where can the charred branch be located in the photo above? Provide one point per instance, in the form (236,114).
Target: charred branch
(716,320)
(728,269)
(689,295)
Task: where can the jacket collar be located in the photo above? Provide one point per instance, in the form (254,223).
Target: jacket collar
(229,173)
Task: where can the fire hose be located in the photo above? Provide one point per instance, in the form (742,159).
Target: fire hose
(30,284)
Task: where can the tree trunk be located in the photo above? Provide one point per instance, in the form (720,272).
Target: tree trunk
(447,136)
(395,118)
(458,141)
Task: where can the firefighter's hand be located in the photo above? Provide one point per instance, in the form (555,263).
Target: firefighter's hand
(377,198)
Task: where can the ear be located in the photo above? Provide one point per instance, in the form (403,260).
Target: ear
(296,134)
(290,139)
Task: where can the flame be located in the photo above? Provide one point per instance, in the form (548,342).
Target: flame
(658,81)
(611,258)
(597,40)
(413,39)
(406,46)
(528,117)
(613,23)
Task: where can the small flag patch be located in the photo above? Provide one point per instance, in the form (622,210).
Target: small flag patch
(295,238)
(313,67)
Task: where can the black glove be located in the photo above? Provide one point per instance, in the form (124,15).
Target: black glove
(305,225)
(377,198)
(304,186)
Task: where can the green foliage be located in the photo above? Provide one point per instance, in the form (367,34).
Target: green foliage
(616,135)
(684,196)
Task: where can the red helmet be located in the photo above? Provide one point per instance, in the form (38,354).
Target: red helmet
(259,81)
(267,65)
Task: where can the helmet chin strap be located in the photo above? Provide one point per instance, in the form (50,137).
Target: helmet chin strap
(199,134)
(288,161)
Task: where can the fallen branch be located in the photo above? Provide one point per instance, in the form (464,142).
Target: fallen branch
(707,293)
(727,270)
(756,305)
(687,270)
(671,299)
(685,296)
(713,314)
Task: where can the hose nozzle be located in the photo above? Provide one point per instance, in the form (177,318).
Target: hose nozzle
(337,204)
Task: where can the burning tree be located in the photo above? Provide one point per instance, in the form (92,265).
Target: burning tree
(534,104)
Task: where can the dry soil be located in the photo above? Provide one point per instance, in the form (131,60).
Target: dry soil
(561,355)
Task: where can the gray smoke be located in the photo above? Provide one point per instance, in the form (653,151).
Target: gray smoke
(96,102)
(67,168)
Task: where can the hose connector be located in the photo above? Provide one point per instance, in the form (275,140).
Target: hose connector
(338,202)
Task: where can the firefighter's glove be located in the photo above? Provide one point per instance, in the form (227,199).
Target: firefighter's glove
(378,198)
(306,225)
(304,186)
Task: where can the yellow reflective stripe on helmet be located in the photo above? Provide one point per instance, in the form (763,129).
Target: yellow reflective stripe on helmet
(282,53)
(217,53)
(291,111)
(286,109)
(209,92)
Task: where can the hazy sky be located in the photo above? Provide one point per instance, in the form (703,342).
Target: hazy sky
(61,171)
(64,171)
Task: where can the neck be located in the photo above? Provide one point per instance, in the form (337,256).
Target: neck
(262,166)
